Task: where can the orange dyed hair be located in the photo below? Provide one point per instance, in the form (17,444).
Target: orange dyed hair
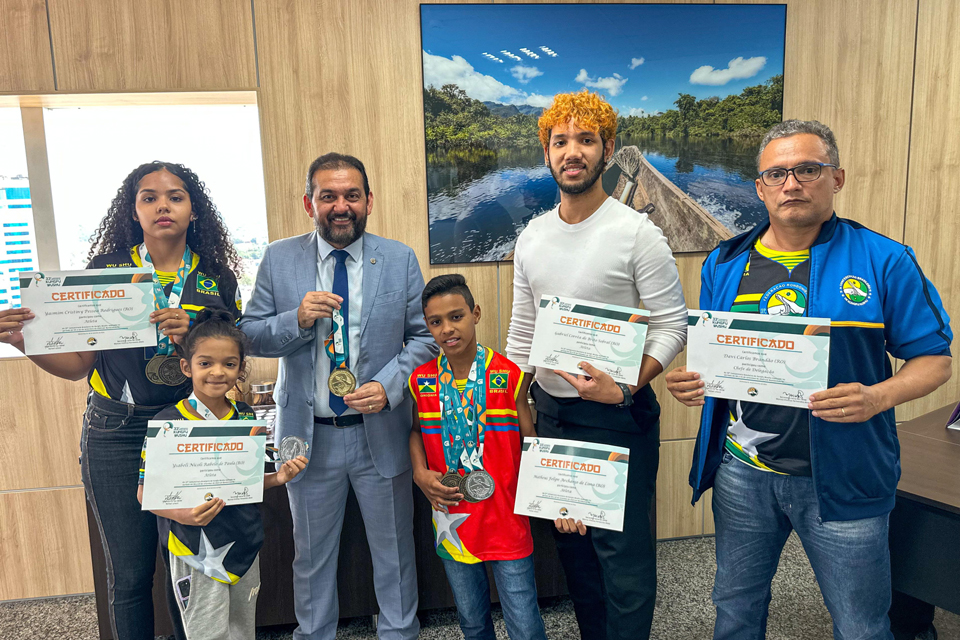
(587,109)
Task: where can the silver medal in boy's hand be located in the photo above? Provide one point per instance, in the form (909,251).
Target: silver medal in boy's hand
(291,447)
(476,486)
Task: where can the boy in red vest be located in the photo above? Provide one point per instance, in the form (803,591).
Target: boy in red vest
(465,447)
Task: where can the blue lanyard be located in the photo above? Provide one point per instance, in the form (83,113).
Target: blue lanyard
(164,346)
(462,414)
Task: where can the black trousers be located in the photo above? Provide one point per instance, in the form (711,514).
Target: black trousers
(611,576)
(909,617)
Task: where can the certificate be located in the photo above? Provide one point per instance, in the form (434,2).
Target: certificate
(191,461)
(570,331)
(88,310)
(776,360)
(572,479)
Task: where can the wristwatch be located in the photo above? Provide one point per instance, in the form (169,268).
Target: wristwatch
(627,396)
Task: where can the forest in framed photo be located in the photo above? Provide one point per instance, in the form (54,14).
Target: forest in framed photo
(695,87)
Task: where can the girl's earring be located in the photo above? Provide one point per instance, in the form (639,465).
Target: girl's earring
(194,225)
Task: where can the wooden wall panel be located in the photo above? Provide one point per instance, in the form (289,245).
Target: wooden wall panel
(505,274)
(675,517)
(321,92)
(933,228)
(352,90)
(25,64)
(850,65)
(130,45)
(40,429)
(45,548)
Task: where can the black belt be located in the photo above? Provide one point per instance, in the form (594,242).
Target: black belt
(341,422)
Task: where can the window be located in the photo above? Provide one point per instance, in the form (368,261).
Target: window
(18,242)
(92,149)
(93,142)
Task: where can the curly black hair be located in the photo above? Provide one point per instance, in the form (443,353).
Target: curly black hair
(208,237)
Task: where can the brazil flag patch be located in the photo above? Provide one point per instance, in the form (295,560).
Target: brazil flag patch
(426,384)
(206,284)
(499,380)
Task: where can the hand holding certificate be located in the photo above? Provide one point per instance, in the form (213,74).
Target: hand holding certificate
(777,360)
(571,479)
(189,462)
(570,331)
(88,310)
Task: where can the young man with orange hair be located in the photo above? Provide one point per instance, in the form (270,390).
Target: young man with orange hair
(594,248)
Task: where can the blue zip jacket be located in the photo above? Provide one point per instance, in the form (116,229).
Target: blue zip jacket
(878,301)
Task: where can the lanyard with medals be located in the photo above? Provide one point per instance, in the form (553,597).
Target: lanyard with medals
(164,367)
(341,381)
(461,416)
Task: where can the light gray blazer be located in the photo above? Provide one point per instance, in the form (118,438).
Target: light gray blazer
(393,338)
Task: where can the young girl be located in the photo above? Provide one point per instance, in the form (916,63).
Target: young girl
(214,549)
(161,216)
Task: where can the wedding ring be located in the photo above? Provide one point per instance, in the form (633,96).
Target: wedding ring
(842,412)
(369,407)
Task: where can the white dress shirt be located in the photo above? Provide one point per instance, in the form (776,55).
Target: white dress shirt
(323,326)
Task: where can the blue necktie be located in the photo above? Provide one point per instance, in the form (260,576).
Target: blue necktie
(342,289)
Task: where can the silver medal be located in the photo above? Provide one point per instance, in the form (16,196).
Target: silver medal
(291,447)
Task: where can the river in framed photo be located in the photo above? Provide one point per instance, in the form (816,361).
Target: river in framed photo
(693,97)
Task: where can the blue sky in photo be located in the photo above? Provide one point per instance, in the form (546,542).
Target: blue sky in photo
(639,56)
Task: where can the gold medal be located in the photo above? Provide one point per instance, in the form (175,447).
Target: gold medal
(341,382)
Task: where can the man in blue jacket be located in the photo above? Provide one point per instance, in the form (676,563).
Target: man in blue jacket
(828,472)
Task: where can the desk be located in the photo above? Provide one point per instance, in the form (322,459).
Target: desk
(925,523)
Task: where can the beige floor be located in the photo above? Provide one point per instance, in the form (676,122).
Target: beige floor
(684,611)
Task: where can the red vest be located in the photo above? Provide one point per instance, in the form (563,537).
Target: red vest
(487,530)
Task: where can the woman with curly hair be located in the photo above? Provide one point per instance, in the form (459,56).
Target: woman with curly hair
(162,217)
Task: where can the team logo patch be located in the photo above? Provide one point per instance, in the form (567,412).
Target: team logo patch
(499,380)
(426,384)
(855,290)
(206,284)
(784,299)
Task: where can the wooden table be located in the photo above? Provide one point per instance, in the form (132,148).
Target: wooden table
(925,524)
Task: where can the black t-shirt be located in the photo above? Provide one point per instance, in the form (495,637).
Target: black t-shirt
(238,526)
(768,436)
(120,374)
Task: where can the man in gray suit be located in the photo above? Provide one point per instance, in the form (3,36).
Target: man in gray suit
(341,309)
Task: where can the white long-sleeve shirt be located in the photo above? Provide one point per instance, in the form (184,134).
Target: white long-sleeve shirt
(616,256)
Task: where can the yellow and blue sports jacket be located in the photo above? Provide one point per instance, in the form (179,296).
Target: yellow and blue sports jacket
(879,302)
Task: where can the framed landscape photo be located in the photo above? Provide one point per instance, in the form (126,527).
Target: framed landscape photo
(695,87)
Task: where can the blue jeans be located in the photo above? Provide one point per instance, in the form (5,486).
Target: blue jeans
(755,511)
(110,444)
(518,597)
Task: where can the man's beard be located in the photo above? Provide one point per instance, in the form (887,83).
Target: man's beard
(341,237)
(584,184)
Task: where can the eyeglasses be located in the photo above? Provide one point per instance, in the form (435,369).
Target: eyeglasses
(806,172)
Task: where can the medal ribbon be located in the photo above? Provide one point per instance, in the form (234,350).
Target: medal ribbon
(463,415)
(336,344)
(206,413)
(161,301)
